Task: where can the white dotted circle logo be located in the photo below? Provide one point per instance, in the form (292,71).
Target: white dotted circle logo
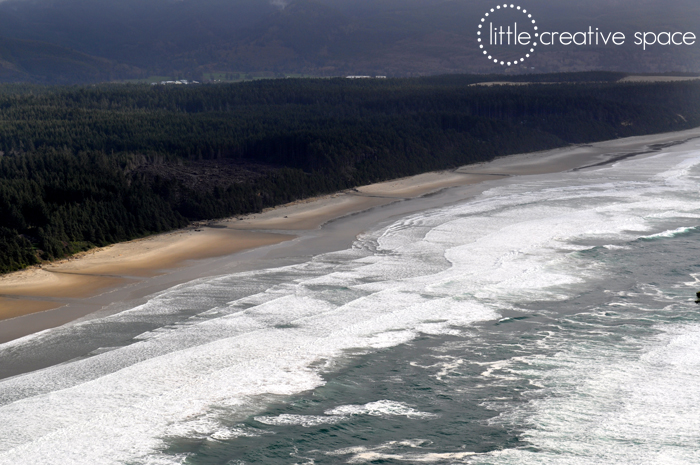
(486,29)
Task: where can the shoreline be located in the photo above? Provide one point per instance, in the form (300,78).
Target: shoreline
(631,78)
(107,280)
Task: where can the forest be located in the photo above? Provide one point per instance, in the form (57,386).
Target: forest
(86,166)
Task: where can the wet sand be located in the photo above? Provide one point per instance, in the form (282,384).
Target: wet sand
(117,277)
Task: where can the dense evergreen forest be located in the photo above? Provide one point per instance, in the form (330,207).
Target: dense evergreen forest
(88,166)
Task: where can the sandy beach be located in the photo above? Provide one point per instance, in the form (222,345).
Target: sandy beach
(631,78)
(105,279)
(659,78)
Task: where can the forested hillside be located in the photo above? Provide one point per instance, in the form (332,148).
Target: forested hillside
(89,166)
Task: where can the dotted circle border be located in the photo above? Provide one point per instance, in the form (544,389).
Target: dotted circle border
(495,60)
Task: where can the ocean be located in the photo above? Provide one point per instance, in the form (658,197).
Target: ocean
(548,320)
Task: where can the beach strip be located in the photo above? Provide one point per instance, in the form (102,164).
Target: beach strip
(41,292)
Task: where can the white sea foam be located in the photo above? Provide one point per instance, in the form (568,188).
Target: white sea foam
(401,451)
(616,247)
(632,409)
(300,420)
(379,409)
(428,457)
(273,332)
(670,233)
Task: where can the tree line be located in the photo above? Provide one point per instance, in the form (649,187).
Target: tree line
(92,165)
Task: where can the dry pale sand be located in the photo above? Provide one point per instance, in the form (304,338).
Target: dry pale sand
(43,288)
(102,270)
(659,78)
(150,256)
(510,83)
(312,213)
(421,184)
(306,214)
(625,79)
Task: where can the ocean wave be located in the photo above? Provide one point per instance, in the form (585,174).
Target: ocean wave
(379,408)
(335,415)
(639,406)
(671,233)
(401,451)
(300,420)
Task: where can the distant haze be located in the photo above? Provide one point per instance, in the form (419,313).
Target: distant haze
(88,40)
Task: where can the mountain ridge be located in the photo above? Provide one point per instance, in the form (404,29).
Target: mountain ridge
(196,39)
(44,63)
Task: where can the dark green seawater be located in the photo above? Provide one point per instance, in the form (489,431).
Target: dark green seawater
(476,392)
